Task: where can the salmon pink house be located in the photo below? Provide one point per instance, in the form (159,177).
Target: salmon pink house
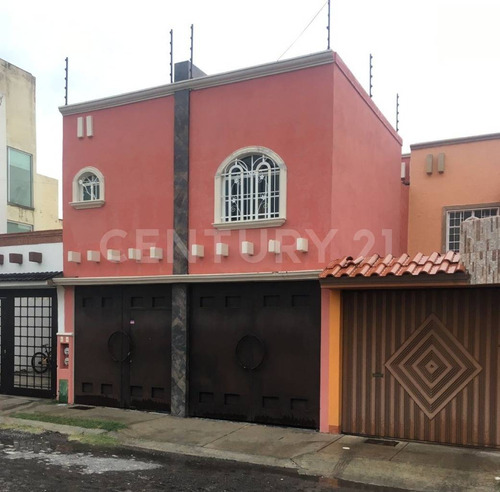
(198,216)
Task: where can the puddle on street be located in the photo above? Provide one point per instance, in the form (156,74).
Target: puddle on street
(85,463)
(63,454)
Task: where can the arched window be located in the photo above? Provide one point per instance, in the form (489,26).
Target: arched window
(88,188)
(250,190)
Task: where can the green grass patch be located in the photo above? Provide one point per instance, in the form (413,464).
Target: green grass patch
(22,428)
(108,425)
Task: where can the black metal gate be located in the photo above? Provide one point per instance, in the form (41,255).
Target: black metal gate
(122,346)
(255,352)
(28,326)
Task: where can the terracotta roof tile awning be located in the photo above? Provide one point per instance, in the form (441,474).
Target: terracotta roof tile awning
(376,266)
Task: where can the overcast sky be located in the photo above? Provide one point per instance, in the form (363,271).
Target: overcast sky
(441,56)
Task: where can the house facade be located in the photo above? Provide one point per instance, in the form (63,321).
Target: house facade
(31,309)
(410,346)
(198,216)
(451,181)
(31,202)
(410,343)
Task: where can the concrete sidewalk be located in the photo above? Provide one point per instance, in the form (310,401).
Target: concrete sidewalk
(406,465)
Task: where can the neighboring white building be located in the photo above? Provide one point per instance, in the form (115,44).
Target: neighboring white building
(31,309)
(30,201)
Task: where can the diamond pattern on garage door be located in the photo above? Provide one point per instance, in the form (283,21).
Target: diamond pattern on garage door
(433,366)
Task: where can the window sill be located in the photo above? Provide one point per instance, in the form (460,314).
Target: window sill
(250,224)
(87,204)
(24,207)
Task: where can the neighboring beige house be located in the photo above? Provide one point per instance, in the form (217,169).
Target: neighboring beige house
(28,201)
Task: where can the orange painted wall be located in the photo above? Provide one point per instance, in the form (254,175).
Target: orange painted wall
(471,177)
(133,147)
(288,113)
(331,361)
(367,195)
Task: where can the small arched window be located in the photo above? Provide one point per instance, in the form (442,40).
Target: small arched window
(89,185)
(250,190)
(88,188)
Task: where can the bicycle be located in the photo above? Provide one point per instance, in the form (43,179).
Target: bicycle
(42,361)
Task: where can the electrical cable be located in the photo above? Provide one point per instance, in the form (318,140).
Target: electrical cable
(305,29)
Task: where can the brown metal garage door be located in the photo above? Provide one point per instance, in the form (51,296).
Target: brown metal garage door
(422,364)
(254,352)
(123,346)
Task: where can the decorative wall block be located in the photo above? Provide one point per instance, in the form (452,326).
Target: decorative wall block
(429,163)
(94,256)
(79,127)
(274,246)
(35,257)
(16,258)
(135,254)
(198,250)
(90,126)
(247,248)
(441,163)
(221,249)
(156,253)
(74,257)
(302,245)
(114,255)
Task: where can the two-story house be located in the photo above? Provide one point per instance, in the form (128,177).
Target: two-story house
(412,341)
(198,216)
(451,180)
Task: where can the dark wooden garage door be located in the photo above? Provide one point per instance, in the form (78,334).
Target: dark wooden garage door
(423,364)
(255,352)
(123,346)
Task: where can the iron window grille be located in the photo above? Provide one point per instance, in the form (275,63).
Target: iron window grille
(250,189)
(89,187)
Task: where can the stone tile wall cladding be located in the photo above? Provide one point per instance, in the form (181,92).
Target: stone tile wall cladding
(480,249)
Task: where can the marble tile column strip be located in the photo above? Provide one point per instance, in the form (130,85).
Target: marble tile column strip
(179,391)
(179,380)
(181,177)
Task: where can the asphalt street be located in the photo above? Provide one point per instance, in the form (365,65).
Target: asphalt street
(49,462)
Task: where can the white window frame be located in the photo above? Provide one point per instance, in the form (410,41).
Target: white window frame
(219,222)
(473,209)
(78,201)
(29,227)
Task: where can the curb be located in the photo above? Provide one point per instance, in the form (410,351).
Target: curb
(62,429)
(201,452)
(382,473)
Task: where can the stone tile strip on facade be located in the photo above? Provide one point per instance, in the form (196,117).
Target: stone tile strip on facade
(180,266)
(480,249)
